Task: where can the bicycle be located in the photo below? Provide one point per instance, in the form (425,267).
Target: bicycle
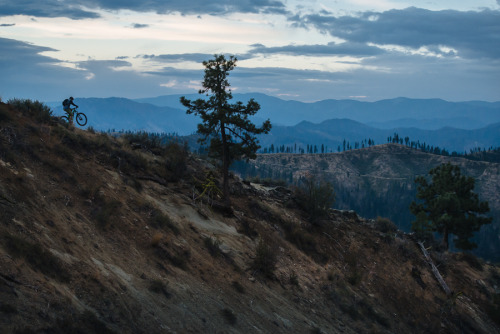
(81,118)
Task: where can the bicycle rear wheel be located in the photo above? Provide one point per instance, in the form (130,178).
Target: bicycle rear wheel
(81,119)
(64,118)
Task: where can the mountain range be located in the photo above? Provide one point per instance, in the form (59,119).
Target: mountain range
(456,126)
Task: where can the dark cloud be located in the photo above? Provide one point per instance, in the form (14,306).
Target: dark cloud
(473,34)
(16,54)
(342,49)
(75,8)
(47,8)
(139,26)
(7,24)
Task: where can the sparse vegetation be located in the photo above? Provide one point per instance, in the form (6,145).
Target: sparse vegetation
(36,109)
(265,259)
(57,257)
(39,258)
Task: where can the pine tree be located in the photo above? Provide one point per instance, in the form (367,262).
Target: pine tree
(231,133)
(450,206)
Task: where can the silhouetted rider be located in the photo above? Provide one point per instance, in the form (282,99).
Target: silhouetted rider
(67,108)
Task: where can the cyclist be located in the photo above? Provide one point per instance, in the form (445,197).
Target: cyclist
(67,108)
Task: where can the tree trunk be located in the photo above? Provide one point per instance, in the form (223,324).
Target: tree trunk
(225,166)
(445,238)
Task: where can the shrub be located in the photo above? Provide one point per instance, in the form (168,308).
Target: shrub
(175,160)
(156,239)
(157,286)
(36,109)
(385,225)
(472,260)
(159,220)
(238,287)
(294,279)
(107,212)
(8,309)
(229,316)
(315,197)
(36,256)
(493,309)
(4,115)
(143,140)
(213,246)
(265,259)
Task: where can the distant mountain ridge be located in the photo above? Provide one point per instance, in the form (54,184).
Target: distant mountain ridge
(450,125)
(333,132)
(435,112)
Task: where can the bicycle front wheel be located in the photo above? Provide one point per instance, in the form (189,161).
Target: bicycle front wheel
(81,119)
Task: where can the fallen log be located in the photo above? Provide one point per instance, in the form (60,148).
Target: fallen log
(434,269)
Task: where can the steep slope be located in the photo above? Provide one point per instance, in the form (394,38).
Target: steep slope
(379,181)
(98,238)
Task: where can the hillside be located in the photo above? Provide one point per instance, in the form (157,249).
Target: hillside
(96,237)
(379,181)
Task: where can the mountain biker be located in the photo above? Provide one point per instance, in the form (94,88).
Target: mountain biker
(67,108)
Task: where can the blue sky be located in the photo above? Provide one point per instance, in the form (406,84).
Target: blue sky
(303,50)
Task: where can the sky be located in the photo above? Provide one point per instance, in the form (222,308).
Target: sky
(366,50)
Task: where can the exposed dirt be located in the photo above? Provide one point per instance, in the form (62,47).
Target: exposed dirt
(98,238)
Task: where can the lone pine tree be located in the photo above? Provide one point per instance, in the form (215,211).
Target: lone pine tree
(226,126)
(449,206)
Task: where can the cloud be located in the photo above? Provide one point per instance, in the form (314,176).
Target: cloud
(16,54)
(139,26)
(473,34)
(77,9)
(176,58)
(47,8)
(343,49)
(7,24)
